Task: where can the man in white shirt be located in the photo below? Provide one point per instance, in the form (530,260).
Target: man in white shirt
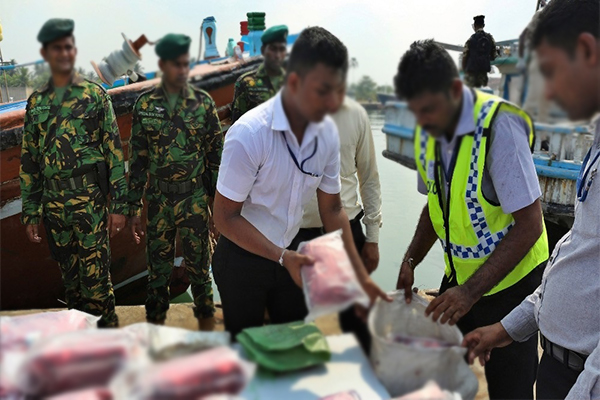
(358,172)
(564,308)
(275,158)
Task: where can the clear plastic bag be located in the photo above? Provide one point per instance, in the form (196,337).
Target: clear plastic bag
(77,360)
(431,391)
(22,331)
(219,371)
(330,285)
(164,342)
(409,349)
(18,334)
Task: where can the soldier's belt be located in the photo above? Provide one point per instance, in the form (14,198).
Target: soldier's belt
(76,182)
(175,187)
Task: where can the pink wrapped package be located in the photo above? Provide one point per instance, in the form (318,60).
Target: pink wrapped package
(98,393)
(219,371)
(330,285)
(348,395)
(77,360)
(20,332)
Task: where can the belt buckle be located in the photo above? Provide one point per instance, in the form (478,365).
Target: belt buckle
(173,188)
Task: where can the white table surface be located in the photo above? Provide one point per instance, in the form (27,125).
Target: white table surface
(348,369)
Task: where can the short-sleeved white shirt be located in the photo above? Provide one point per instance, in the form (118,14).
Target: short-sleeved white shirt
(257,168)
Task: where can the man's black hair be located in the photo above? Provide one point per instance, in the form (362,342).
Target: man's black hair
(426,66)
(562,21)
(45,44)
(314,46)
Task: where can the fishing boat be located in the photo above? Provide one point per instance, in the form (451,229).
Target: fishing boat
(559,148)
(29,277)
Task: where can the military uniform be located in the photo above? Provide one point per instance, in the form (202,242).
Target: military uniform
(65,144)
(180,150)
(478,52)
(254,88)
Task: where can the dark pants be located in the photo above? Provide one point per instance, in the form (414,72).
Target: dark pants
(349,322)
(249,284)
(554,379)
(512,370)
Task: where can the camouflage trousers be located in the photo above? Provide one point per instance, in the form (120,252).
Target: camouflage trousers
(168,214)
(77,231)
(476,79)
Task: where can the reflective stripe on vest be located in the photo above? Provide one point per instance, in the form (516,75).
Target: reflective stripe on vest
(470,248)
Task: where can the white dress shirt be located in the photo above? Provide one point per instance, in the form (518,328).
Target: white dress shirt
(565,308)
(258,169)
(358,171)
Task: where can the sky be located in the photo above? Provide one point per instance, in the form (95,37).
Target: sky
(376,32)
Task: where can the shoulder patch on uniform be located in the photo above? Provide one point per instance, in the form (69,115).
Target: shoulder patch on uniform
(96,84)
(145,93)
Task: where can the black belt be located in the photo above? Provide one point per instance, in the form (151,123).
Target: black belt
(571,359)
(77,182)
(175,187)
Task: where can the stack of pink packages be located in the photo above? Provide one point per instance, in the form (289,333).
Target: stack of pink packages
(330,285)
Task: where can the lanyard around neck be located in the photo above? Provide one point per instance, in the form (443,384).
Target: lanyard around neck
(301,165)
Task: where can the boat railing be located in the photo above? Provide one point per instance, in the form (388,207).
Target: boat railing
(554,142)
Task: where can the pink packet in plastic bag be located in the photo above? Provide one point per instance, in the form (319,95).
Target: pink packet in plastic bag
(330,285)
(77,360)
(348,395)
(97,393)
(219,371)
(22,331)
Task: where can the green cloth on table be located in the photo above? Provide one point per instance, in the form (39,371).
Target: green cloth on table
(285,347)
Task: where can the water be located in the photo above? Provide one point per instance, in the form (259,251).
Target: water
(401,208)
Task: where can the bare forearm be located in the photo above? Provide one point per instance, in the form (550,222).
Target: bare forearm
(423,239)
(510,251)
(237,229)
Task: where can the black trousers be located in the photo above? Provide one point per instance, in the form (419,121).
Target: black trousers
(349,321)
(249,284)
(554,379)
(511,371)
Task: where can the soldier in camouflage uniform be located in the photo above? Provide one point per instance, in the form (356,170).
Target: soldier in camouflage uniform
(176,141)
(256,87)
(479,51)
(71,159)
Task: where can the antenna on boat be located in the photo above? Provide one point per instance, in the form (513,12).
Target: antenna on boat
(119,62)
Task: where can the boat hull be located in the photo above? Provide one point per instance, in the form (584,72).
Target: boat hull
(29,278)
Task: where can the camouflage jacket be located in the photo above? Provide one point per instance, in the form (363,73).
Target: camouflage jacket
(177,146)
(65,140)
(468,64)
(254,88)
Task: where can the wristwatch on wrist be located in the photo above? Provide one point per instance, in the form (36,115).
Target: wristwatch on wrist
(410,262)
(281,257)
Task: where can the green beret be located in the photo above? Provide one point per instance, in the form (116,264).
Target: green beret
(172,46)
(274,34)
(55,28)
